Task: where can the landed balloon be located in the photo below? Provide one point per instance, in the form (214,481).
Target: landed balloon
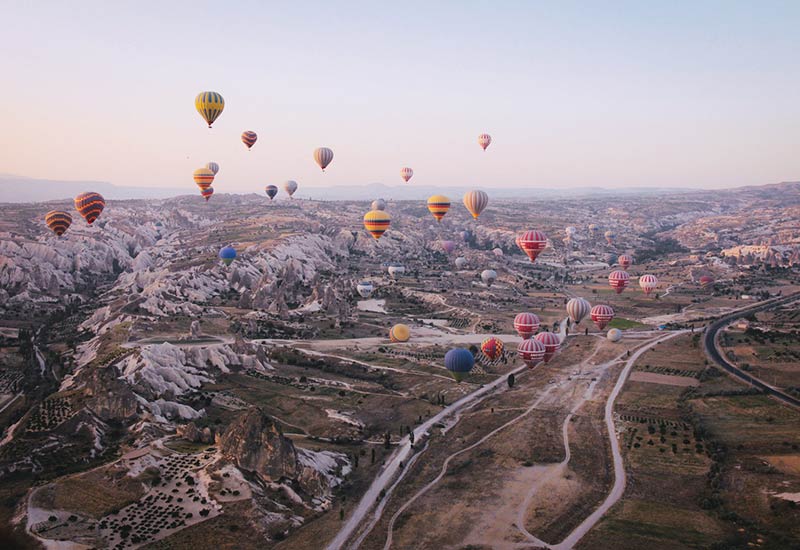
(290,186)
(618,280)
(577,309)
(438,205)
(461,262)
(90,205)
(648,283)
(526,324)
(532,243)
(492,347)
(323,157)
(614,335)
(476,201)
(377,222)
(448,246)
(364,289)
(209,105)
(213,166)
(484,140)
(379,204)
(249,138)
(531,351)
(488,276)
(206,193)
(395,270)
(406,174)
(271,191)
(706,281)
(610,236)
(58,221)
(399,333)
(459,362)
(625,261)
(203,177)
(227,254)
(552,344)
(602,315)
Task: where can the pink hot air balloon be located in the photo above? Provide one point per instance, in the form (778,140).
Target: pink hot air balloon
(602,315)
(532,243)
(484,140)
(552,344)
(618,280)
(625,261)
(526,324)
(448,246)
(406,173)
(531,352)
(648,283)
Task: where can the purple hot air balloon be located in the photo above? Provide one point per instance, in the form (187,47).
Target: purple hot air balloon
(448,246)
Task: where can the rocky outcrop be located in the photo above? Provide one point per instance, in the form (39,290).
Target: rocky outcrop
(108,397)
(191,432)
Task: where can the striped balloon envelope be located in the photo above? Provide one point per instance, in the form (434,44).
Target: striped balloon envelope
(618,280)
(203,177)
(706,281)
(209,105)
(438,205)
(602,315)
(377,222)
(484,140)
(648,283)
(552,344)
(531,351)
(249,138)
(532,243)
(213,166)
(58,221)
(406,173)
(526,324)
(90,205)
(459,362)
(625,261)
(476,201)
(206,193)
(577,309)
(323,157)
(492,347)
(399,333)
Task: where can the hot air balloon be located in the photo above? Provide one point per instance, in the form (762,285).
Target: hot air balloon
(461,262)
(498,252)
(570,231)
(465,235)
(399,333)
(610,236)
(706,281)
(406,174)
(484,140)
(552,344)
(290,186)
(459,362)
(526,324)
(488,276)
(492,347)
(448,246)
(396,270)
(271,191)
(227,254)
(203,177)
(614,335)
(90,205)
(602,315)
(648,283)
(379,204)
(377,222)
(249,138)
(476,201)
(532,243)
(209,105)
(531,351)
(213,166)
(593,229)
(577,309)
(625,261)
(58,221)
(206,193)
(365,289)
(618,280)
(438,206)
(323,156)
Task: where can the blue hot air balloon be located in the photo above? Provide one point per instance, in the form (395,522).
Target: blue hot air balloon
(227,254)
(459,362)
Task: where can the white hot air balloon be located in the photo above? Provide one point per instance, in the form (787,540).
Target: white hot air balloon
(461,262)
(365,289)
(379,204)
(476,201)
(614,335)
(396,270)
(488,276)
(290,187)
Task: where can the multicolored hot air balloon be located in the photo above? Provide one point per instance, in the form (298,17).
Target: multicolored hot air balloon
(602,315)
(461,262)
(614,335)
(625,261)
(406,173)
(618,280)
(249,138)
(377,222)
(90,205)
(209,105)
(395,270)
(706,281)
(399,333)
(476,201)
(58,221)
(323,157)
(227,254)
(593,229)
(271,191)
(488,276)
(526,324)
(459,362)
(365,289)
(203,177)
(379,204)
(532,243)
(531,351)
(648,283)
(213,166)
(484,140)
(206,193)
(492,347)
(552,344)
(610,236)
(438,206)
(577,309)
(290,186)
(448,246)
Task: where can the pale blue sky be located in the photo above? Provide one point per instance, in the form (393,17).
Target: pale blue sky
(573,93)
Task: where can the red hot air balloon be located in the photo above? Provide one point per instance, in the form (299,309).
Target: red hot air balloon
(602,315)
(206,193)
(618,280)
(532,243)
(90,205)
(526,324)
(531,352)
(552,344)
(706,281)
(625,261)
(484,140)
(492,347)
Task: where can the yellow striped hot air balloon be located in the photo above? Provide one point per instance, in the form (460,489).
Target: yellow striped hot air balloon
(203,177)
(399,333)
(376,222)
(209,105)
(438,206)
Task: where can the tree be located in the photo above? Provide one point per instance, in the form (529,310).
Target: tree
(510,380)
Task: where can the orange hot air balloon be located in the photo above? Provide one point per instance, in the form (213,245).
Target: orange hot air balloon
(203,177)
(90,205)
(438,206)
(377,222)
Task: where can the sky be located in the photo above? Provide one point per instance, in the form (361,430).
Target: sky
(574,94)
